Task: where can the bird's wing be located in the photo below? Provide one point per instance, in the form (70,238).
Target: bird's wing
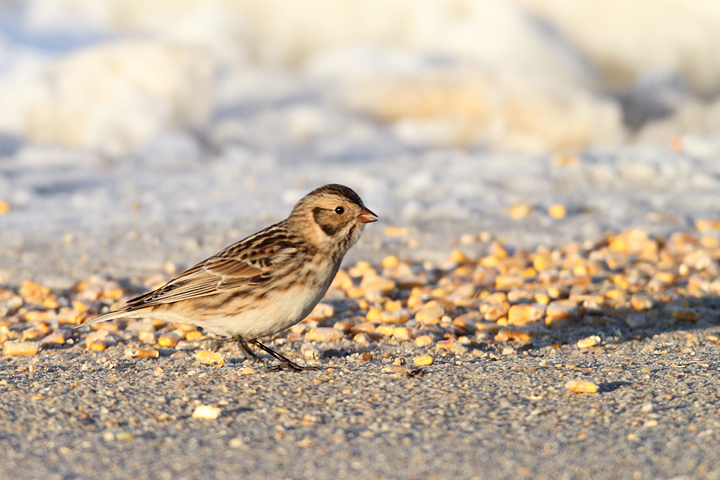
(248,263)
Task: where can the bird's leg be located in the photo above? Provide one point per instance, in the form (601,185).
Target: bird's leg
(286,362)
(241,341)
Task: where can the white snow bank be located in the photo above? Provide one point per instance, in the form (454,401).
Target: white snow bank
(111,97)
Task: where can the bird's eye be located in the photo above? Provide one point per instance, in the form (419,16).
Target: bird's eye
(339,210)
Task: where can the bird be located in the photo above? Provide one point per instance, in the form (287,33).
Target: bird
(266,282)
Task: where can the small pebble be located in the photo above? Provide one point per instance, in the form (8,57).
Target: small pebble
(142,352)
(324,334)
(209,358)
(21,348)
(423,360)
(589,342)
(206,412)
(581,386)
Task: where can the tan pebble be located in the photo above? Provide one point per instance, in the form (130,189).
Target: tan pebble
(299,328)
(665,277)
(450,346)
(194,335)
(488,326)
(321,312)
(468,239)
(114,292)
(4,207)
(685,315)
(80,306)
(513,335)
(529,272)
(33,292)
(519,296)
(492,312)
(310,351)
(466,290)
(124,436)
(543,261)
(424,340)
(401,333)
(360,269)
(615,294)
(641,302)
(33,333)
(581,386)
(557,211)
(142,326)
(142,352)
(35,316)
(147,337)
(247,371)
(324,334)
(342,281)
(343,325)
(709,242)
(384,330)
(97,345)
(206,412)
(496,298)
(373,315)
(704,225)
(621,281)
(508,282)
(377,283)
(21,348)
(590,341)
(209,358)
(423,360)
(99,336)
(520,211)
(55,338)
(51,303)
(362,338)
(355,292)
(559,310)
(397,369)
(542,298)
(521,315)
(459,257)
(391,261)
(491,261)
(431,313)
(168,339)
(508,350)
(392,305)
(365,356)
(396,316)
(363,327)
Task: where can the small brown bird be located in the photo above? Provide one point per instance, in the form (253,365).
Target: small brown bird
(266,282)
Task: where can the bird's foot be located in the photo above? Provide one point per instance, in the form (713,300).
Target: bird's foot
(285,363)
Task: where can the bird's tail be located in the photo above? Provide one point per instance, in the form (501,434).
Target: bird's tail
(104,318)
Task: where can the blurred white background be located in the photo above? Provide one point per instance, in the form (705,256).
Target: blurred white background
(532,75)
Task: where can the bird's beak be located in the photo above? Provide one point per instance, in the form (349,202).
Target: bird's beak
(366,216)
